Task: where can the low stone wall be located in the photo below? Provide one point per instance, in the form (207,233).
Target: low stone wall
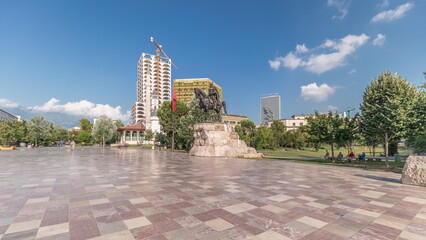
(414,171)
(220,140)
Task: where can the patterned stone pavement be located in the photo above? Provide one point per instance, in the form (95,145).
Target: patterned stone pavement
(95,193)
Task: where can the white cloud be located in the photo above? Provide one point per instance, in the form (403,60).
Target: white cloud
(379,40)
(328,43)
(332,108)
(8,104)
(316,93)
(83,108)
(391,15)
(384,4)
(352,71)
(275,64)
(301,48)
(341,5)
(292,61)
(335,55)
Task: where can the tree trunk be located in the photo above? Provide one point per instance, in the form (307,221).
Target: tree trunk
(387,148)
(36,142)
(103,140)
(374,149)
(332,151)
(173,141)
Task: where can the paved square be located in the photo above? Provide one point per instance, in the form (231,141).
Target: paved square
(95,193)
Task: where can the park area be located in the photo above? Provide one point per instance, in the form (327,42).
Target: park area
(133,193)
(371,162)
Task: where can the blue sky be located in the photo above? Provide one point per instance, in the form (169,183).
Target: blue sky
(79,58)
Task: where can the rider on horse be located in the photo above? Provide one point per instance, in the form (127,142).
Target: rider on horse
(213,95)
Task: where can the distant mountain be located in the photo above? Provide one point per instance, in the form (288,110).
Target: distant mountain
(65,120)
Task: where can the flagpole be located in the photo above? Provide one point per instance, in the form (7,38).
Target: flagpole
(173,131)
(174,109)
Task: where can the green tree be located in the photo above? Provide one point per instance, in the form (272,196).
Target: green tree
(149,135)
(420,144)
(369,139)
(160,138)
(103,130)
(349,132)
(171,122)
(278,130)
(387,108)
(184,137)
(83,136)
(263,138)
(72,135)
(20,131)
(246,131)
(6,132)
(59,133)
(326,128)
(85,125)
(418,125)
(85,131)
(300,138)
(39,129)
(117,135)
(296,139)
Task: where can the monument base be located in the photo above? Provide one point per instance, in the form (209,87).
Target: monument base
(414,171)
(220,140)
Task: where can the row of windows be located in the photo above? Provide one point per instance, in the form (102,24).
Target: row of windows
(232,122)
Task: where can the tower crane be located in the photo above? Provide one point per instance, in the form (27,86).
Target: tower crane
(349,111)
(157,70)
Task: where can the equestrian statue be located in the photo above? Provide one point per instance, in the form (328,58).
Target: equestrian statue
(210,101)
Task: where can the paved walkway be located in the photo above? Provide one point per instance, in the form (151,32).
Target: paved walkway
(53,193)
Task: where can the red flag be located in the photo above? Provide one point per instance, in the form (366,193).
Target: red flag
(174,101)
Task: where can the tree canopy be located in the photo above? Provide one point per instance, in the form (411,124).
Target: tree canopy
(171,122)
(39,129)
(59,133)
(326,128)
(387,108)
(103,130)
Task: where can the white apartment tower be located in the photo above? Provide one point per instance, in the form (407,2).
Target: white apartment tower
(152,89)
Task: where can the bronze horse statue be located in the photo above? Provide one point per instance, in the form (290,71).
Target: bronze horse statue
(210,102)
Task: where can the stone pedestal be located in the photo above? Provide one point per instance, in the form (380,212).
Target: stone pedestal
(220,140)
(414,171)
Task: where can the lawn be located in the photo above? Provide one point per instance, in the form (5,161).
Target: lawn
(308,153)
(381,166)
(319,156)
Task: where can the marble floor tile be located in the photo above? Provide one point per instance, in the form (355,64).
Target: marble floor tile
(133,193)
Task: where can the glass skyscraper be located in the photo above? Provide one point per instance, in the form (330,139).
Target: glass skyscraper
(270,109)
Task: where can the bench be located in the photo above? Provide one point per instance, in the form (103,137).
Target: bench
(372,159)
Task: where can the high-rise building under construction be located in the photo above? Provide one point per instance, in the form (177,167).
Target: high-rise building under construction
(153,87)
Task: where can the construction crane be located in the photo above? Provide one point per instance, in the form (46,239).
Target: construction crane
(349,112)
(160,50)
(157,74)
